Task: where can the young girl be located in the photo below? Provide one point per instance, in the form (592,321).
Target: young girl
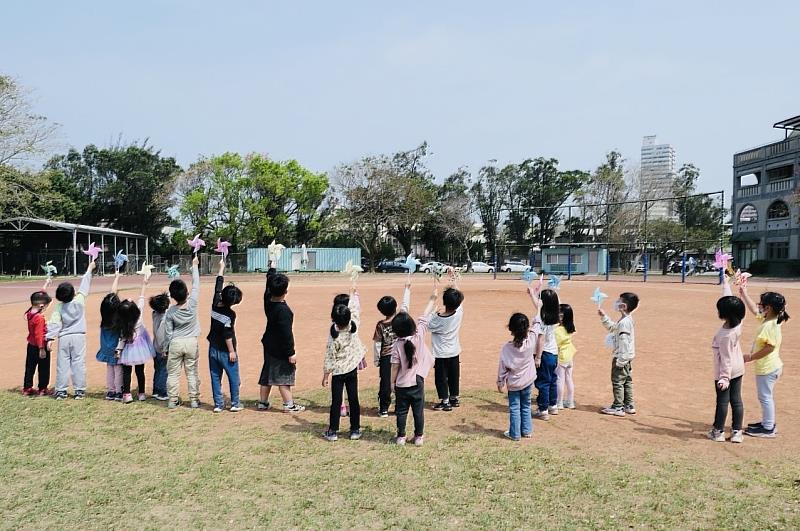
(343,356)
(546,357)
(38,355)
(771,312)
(109,338)
(516,372)
(728,366)
(222,355)
(566,352)
(343,299)
(411,362)
(134,347)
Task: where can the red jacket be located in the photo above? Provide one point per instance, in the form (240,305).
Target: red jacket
(37,328)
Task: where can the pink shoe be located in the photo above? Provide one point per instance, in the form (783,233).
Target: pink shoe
(142,398)
(419,440)
(127,398)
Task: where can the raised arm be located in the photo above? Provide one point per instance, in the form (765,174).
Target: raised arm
(86,280)
(534,295)
(726,286)
(195,280)
(218,284)
(47,282)
(115,284)
(751,305)
(355,307)
(145,282)
(406,296)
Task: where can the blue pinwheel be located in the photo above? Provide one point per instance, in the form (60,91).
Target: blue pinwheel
(598,297)
(554,282)
(173,272)
(119,259)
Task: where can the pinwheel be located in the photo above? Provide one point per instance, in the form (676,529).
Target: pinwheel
(528,276)
(721,259)
(435,272)
(173,272)
(598,297)
(740,279)
(92,251)
(146,270)
(274,250)
(196,243)
(119,259)
(352,270)
(554,282)
(222,247)
(411,264)
(453,275)
(50,269)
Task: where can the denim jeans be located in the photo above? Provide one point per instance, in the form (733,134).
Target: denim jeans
(765,384)
(219,361)
(546,381)
(160,375)
(519,413)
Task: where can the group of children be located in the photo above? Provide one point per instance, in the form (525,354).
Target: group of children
(540,354)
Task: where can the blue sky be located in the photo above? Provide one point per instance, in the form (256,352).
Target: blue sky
(326,82)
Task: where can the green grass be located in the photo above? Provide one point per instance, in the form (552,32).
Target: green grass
(95,464)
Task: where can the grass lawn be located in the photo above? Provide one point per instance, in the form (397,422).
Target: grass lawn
(95,464)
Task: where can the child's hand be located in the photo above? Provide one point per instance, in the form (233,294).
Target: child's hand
(747,358)
(233,357)
(723,384)
(42,353)
(92,265)
(117,354)
(499,388)
(601,313)
(537,362)
(325,380)
(195,261)
(408,281)
(292,360)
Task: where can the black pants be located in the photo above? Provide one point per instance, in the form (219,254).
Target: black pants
(385,390)
(733,396)
(413,397)
(34,362)
(339,382)
(447,372)
(126,378)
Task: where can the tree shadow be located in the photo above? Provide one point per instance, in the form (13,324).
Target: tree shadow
(682,429)
(315,429)
(474,429)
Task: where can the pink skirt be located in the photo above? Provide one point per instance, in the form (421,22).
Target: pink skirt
(138,351)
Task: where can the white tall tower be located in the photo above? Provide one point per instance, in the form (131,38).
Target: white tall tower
(658,171)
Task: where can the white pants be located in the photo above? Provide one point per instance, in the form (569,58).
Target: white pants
(566,389)
(71,359)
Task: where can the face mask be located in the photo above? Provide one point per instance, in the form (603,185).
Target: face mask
(617,305)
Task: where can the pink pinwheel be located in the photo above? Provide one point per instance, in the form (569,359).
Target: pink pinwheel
(196,243)
(721,259)
(222,247)
(92,251)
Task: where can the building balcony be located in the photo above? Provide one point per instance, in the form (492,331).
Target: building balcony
(784,185)
(767,151)
(748,191)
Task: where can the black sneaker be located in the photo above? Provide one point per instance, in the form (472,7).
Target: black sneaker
(454,402)
(111,395)
(80,395)
(760,431)
(442,406)
(383,414)
(60,395)
(755,425)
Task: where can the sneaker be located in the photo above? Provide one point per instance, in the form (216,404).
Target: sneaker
(142,397)
(28,391)
(127,398)
(553,410)
(330,436)
(569,405)
(294,407)
(737,436)
(630,410)
(760,431)
(559,405)
(527,435)
(217,410)
(44,391)
(400,441)
(541,415)
(716,435)
(111,395)
(454,401)
(118,397)
(615,411)
(507,435)
(263,406)
(160,397)
(343,411)
(235,408)
(755,425)
(383,414)
(194,404)
(442,406)
(60,395)
(79,395)
(419,440)
(355,435)
(174,405)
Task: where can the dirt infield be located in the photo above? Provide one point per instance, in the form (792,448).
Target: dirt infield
(672,371)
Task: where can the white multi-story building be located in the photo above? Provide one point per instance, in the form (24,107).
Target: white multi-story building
(657,174)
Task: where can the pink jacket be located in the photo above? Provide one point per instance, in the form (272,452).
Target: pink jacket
(422,361)
(728,358)
(517,369)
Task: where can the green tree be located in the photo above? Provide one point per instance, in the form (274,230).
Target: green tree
(31,194)
(488,194)
(414,189)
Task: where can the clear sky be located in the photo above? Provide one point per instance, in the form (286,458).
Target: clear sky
(328,81)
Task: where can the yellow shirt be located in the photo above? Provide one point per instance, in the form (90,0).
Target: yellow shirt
(769,333)
(566,350)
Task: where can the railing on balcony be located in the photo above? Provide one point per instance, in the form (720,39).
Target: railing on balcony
(780,186)
(748,191)
(769,150)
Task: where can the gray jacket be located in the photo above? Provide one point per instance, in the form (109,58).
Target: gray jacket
(181,321)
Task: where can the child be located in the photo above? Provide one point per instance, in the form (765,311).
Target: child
(109,338)
(344,299)
(278,340)
(411,362)
(444,328)
(728,366)
(222,356)
(546,357)
(38,355)
(159,304)
(384,338)
(566,353)
(68,324)
(134,347)
(343,356)
(181,330)
(771,313)
(516,372)
(623,343)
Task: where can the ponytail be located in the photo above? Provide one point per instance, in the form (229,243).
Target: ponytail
(777,302)
(782,316)
(518,325)
(410,350)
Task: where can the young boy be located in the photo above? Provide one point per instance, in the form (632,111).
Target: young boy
(222,356)
(181,330)
(38,356)
(382,348)
(159,304)
(68,324)
(624,345)
(278,340)
(444,328)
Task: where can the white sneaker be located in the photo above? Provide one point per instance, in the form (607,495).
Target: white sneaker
(235,408)
(541,415)
(737,436)
(553,410)
(400,441)
(614,411)
(716,435)
(569,405)
(560,405)
(217,410)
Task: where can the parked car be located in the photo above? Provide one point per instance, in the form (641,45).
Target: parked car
(428,266)
(481,267)
(639,268)
(390,266)
(517,267)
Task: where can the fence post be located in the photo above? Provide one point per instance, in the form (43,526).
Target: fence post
(569,262)
(646,262)
(608,262)
(683,265)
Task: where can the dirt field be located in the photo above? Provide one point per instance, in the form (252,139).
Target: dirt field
(672,371)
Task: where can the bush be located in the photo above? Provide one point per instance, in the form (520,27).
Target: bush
(758,267)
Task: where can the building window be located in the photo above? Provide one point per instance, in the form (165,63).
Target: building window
(748,252)
(748,214)
(778,210)
(563,259)
(778,250)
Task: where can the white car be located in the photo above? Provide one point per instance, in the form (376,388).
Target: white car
(517,267)
(481,267)
(427,267)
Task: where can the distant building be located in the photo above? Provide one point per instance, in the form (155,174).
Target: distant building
(765,216)
(657,173)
